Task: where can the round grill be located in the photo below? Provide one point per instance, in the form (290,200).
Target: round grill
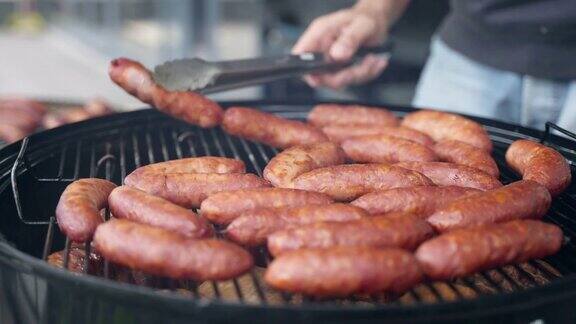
(34,172)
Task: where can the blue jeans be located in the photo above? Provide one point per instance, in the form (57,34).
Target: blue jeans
(450,81)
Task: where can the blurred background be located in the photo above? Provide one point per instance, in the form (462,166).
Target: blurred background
(58,50)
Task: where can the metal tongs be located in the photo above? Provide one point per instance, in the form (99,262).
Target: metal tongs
(202,76)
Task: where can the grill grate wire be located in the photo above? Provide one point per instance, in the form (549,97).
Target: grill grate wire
(152,143)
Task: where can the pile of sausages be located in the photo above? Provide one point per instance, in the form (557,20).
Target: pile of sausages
(358,202)
(20,117)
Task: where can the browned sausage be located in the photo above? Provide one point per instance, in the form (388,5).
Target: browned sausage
(253,227)
(350,181)
(451,174)
(204,164)
(190,189)
(97,107)
(466,251)
(269,129)
(77,260)
(10,133)
(19,118)
(386,149)
(342,271)
(74,115)
(335,114)
(222,208)
(78,210)
(446,126)
(294,161)
(52,120)
(418,200)
(539,163)
(140,207)
(406,232)
(189,106)
(339,133)
(164,253)
(462,153)
(28,105)
(522,199)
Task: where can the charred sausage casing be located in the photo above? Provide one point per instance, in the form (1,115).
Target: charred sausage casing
(164,253)
(466,251)
(222,208)
(140,207)
(292,162)
(340,133)
(522,199)
(451,174)
(190,189)
(342,271)
(335,114)
(78,210)
(540,163)
(421,201)
(347,182)
(269,129)
(462,153)
(402,231)
(253,227)
(189,106)
(447,126)
(386,149)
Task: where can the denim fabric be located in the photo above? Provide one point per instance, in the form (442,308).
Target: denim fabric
(450,81)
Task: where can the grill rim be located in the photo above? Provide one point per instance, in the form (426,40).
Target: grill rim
(558,290)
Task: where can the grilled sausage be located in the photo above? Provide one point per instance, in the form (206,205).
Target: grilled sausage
(462,153)
(347,182)
(190,189)
(335,114)
(78,210)
(342,271)
(10,133)
(140,207)
(222,208)
(421,201)
(340,133)
(406,232)
(451,174)
(253,227)
(386,149)
(292,162)
(204,164)
(97,107)
(28,105)
(522,199)
(466,251)
(164,253)
(189,106)
(77,260)
(269,129)
(539,163)
(52,120)
(446,126)
(21,119)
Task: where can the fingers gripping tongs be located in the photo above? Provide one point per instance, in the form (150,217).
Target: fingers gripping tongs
(198,75)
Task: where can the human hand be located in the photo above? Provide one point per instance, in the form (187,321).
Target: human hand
(339,35)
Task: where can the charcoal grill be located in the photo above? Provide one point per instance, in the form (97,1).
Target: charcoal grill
(35,171)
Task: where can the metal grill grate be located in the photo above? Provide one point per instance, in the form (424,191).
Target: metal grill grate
(113,151)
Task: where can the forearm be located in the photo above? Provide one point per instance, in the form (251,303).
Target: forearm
(385,11)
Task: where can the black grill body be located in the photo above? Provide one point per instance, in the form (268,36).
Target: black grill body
(33,173)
